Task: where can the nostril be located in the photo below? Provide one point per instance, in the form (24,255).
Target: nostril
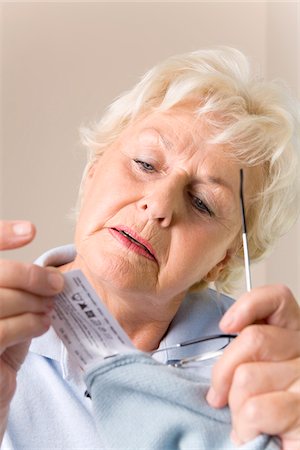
(144,206)
(157,208)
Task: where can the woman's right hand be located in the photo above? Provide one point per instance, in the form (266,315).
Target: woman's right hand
(25,305)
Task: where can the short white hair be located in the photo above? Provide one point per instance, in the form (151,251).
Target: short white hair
(256,119)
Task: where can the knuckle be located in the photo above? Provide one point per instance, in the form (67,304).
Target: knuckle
(251,411)
(254,336)
(243,376)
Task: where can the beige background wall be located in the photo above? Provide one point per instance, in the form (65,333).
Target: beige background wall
(63,63)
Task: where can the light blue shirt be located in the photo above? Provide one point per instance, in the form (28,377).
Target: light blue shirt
(50,409)
(141,404)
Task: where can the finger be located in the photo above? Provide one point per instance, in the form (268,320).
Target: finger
(255,343)
(253,379)
(12,358)
(275,304)
(14,302)
(15,234)
(29,277)
(276,413)
(15,330)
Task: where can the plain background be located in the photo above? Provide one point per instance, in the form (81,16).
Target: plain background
(63,63)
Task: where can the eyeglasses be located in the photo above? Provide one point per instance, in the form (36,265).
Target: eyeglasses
(207,348)
(196,351)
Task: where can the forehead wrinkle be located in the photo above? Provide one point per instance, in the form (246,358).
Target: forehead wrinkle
(166,144)
(194,135)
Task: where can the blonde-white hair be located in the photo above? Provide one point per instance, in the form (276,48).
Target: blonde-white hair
(256,119)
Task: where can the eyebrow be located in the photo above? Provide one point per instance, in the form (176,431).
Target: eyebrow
(164,142)
(210,179)
(220,182)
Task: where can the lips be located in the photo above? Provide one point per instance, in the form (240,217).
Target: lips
(136,239)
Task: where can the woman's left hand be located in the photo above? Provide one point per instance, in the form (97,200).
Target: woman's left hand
(259,374)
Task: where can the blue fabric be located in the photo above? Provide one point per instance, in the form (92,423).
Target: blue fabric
(50,410)
(142,404)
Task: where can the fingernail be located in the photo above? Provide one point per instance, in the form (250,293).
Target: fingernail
(22,228)
(55,280)
(212,397)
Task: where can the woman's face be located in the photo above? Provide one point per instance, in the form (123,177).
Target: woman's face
(160,209)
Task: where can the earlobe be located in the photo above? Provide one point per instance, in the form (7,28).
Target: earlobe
(213,274)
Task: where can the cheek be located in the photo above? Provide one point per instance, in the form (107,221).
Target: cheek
(104,200)
(203,249)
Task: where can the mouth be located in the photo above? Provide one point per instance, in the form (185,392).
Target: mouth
(136,240)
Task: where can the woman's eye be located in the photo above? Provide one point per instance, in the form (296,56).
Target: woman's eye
(200,205)
(146,167)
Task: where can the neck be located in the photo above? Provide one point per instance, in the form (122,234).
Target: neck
(145,322)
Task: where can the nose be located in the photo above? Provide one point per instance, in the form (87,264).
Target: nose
(163,200)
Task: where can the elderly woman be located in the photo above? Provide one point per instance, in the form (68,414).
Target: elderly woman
(159,219)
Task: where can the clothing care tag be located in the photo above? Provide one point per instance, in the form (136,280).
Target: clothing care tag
(84,324)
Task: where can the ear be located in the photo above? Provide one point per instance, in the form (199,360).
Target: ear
(91,170)
(214,273)
(88,178)
(86,184)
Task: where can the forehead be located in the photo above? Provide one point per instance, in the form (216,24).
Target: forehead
(171,128)
(180,129)
(182,138)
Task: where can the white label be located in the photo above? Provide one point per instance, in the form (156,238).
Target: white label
(84,324)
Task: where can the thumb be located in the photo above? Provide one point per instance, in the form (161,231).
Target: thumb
(16,233)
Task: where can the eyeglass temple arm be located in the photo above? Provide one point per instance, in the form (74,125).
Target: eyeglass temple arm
(245,241)
(207,338)
(195,341)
